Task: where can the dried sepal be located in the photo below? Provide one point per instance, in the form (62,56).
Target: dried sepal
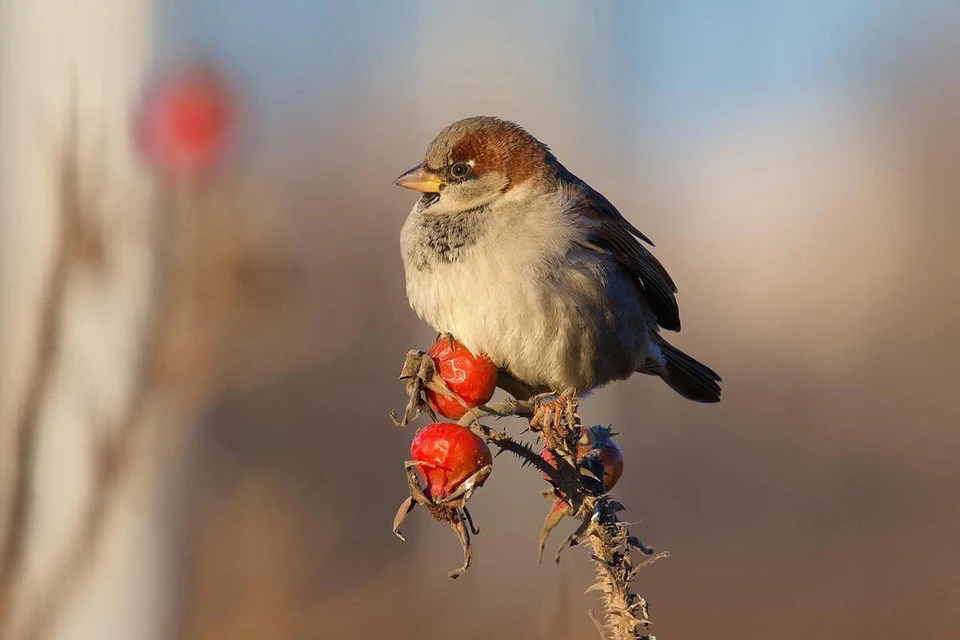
(463,534)
(559,509)
(466,488)
(419,373)
(450,509)
(405,508)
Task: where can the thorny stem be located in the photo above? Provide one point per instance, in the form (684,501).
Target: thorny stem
(609,541)
(578,491)
(506,443)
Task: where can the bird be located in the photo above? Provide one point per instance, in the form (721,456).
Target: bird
(521,260)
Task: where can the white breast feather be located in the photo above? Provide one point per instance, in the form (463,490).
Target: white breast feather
(508,298)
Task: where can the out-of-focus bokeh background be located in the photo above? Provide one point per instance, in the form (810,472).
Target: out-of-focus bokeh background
(798,166)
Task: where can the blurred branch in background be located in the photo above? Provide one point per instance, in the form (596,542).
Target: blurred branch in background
(136,309)
(75,286)
(70,234)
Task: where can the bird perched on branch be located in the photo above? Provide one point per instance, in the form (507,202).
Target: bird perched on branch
(520,259)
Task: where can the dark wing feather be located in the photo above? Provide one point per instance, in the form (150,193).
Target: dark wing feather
(608,231)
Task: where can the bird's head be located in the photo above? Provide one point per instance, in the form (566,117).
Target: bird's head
(475,161)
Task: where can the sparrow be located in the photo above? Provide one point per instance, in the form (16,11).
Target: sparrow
(523,261)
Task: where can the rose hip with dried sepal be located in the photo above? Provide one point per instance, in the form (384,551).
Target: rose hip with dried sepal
(448,457)
(449,381)
(597,440)
(472,378)
(594,441)
(453,462)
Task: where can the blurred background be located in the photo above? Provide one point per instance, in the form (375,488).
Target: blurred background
(798,166)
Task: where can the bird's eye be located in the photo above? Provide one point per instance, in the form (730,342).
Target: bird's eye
(460,169)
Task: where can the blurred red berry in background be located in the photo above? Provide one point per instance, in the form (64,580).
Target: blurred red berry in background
(184,121)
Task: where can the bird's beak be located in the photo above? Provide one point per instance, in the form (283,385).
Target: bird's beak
(420,179)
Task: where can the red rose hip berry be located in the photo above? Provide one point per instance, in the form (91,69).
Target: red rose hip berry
(452,459)
(600,440)
(471,378)
(596,439)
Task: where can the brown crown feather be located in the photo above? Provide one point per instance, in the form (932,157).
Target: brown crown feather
(493,145)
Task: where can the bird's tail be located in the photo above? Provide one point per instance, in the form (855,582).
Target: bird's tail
(691,379)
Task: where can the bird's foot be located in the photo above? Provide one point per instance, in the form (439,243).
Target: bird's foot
(557,421)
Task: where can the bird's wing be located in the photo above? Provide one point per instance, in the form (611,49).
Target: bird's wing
(607,231)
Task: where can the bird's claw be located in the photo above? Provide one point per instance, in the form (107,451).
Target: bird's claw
(557,421)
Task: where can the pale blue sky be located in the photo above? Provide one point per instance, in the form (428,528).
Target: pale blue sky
(679,68)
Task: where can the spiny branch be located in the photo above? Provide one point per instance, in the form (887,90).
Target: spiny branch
(578,492)
(610,542)
(524,452)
